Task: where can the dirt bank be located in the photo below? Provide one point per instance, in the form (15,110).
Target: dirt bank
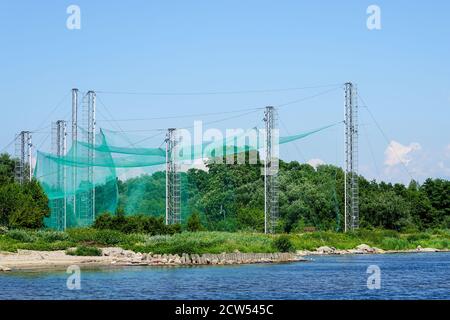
(30,259)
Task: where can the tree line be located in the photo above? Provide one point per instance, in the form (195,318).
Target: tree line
(230,197)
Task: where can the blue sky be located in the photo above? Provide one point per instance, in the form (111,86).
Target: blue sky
(402,71)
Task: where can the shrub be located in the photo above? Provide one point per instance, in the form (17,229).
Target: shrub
(109,237)
(154,225)
(283,244)
(103,221)
(194,224)
(417,237)
(395,244)
(251,219)
(85,251)
(390,233)
(52,236)
(227,225)
(135,224)
(21,235)
(172,229)
(82,234)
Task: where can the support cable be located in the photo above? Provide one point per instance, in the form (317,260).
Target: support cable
(203,93)
(388,141)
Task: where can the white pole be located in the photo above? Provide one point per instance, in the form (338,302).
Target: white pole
(93,154)
(167,178)
(266,162)
(30,165)
(64,152)
(74,147)
(345,160)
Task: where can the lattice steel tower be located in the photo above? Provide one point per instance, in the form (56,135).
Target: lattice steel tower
(86,201)
(74,148)
(271,206)
(23,166)
(59,147)
(173,190)
(351,190)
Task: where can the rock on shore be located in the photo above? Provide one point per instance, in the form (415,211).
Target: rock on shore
(361,249)
(2,268)
(325,250)
(129,257)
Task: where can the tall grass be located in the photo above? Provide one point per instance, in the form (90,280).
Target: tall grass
(217,242)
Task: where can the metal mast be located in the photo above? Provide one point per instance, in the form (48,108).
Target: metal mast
(74,147)
(271,208)
(87,197)
(23,166)
(59,146)
(351,190)
(173,193)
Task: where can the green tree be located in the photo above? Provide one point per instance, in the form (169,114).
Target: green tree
(6,169)
(32,207)
(438,193)
(231,197)
(11,199)
(21,206)
(385,210)
(194,224)
(251,218)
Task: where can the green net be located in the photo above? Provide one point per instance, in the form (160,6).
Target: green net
(88,179)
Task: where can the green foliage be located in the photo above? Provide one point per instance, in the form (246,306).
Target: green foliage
(227,225)
(34,240)
(395,244)
(418,237)
(251,219)
(205,242)
(143,195)
(85,251)
(218,242)
(109,237)
(11,198)
(230,197)
(103,221)
(21,235)
(21,206)
(173,228)
(52,236)
(385,210)
(283,244)
(194,224)
(92,236)
(7,166)
(134,224)
(3,230)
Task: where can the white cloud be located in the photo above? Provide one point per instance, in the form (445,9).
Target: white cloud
(199,164)
(397,153)
(315,162)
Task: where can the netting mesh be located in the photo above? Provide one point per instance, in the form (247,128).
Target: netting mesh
(86,180)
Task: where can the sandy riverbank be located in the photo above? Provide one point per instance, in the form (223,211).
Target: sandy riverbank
(113,256)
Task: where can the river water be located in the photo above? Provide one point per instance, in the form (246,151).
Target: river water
(402,276)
